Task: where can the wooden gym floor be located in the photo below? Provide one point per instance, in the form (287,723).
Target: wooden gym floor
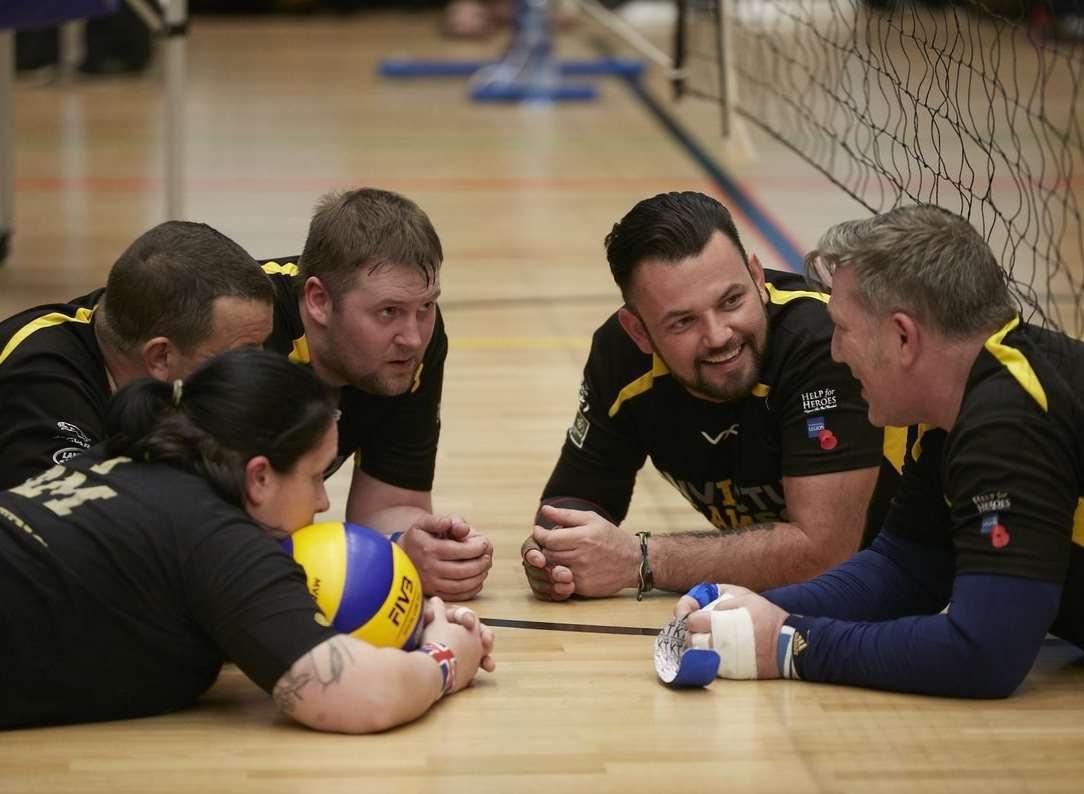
(281,110)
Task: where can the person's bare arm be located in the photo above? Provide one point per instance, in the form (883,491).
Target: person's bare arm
(384,507)
(345,685)
(827,514)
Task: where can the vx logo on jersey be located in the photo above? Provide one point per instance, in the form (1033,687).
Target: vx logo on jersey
(725,433)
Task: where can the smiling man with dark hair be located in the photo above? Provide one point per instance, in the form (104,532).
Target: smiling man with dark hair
(719,371)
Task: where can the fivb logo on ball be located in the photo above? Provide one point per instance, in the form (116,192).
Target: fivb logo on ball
(365,584)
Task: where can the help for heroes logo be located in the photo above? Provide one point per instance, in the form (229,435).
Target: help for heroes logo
(989,506)
(819,400)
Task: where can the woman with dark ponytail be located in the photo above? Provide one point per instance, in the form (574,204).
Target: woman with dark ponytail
(129,573)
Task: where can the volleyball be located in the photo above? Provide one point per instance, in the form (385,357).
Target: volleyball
(364,584)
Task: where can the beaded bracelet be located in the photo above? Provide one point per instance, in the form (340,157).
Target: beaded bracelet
(445,657)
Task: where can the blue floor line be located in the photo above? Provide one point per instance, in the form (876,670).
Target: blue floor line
(741,200)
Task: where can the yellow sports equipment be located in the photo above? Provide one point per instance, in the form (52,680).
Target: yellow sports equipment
(364,584)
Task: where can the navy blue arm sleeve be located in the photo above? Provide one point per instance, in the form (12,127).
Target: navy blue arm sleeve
(982,648)
(893,578)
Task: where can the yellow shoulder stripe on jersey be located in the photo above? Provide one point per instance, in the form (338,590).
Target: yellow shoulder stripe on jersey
(274,268)
(1078,523)
(781,296)
(916,448)
(300,353)
(1017,364)
(417,378)
(641,384)
(895,447)
(82,315)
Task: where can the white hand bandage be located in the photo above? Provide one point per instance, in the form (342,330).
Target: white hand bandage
(732,636)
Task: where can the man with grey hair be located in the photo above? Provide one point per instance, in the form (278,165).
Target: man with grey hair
(359,306)
(179,294)
(987,518)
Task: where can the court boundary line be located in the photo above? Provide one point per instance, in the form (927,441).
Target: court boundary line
(586,628)
(635,631)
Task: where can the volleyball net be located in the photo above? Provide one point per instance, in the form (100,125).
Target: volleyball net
(963,104)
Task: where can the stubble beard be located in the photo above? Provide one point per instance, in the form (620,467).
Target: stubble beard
(737,386)
(374,383)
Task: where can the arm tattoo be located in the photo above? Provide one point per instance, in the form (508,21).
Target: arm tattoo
(288,691)
(310,668)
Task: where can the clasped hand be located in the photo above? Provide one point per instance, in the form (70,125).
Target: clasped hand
(452,559)
(582,553)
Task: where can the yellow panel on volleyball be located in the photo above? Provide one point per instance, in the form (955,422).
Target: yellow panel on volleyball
(319,550)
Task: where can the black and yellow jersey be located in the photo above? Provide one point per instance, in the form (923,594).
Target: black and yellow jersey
(1004,486)
(53,387)
(805,416)
(124,585)
(393,439)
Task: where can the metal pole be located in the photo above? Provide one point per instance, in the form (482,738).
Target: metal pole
(619,27)
(721,7)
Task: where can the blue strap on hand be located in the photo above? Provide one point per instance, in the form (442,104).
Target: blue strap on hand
(704,593)
(698,667)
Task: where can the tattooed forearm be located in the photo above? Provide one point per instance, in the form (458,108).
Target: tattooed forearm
(338,656)
(287,691)
(324,665)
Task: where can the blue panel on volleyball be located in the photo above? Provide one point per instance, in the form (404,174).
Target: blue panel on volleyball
(29,14)
(366,585)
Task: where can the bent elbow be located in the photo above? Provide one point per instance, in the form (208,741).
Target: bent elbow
(996,682)
(361,716)
(982,676)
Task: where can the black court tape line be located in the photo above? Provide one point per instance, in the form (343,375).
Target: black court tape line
(586,628)
(637,631)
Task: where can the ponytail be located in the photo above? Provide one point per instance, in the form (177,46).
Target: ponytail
(236,406)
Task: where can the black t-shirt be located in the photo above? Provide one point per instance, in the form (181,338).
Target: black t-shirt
(124,586)
(1004,487)
(393,439)
(53,387)
(804,417)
